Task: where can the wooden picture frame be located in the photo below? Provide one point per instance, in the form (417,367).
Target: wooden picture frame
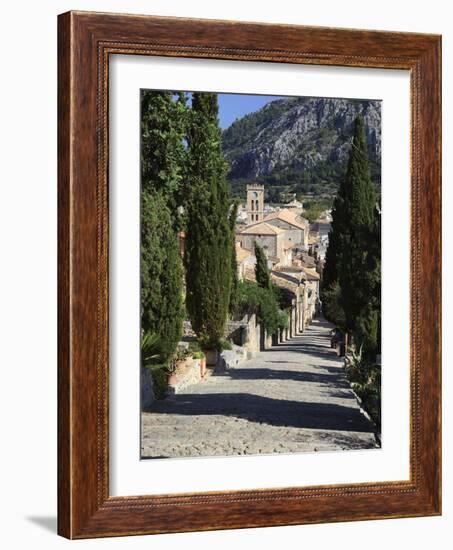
(85,41)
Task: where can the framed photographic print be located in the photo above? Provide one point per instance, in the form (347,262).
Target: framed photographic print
(249,275)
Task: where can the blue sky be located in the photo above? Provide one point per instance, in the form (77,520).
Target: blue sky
(233,106)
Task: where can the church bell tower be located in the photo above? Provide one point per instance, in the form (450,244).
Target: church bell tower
(255,203)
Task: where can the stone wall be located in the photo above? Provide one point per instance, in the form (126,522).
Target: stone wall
(267,242)
(234,330)
(252,336)
(231,358)
(146,387)
(189,375)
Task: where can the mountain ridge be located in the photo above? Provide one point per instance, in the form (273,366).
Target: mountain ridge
(300,143)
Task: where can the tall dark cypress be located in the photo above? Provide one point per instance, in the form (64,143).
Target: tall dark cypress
(234,267)
(261,269)
(330,288)
(162,160)
(163,118)
(359,267)
(161,274)
(334,250)
(351,277)
(367,330)
(209,243)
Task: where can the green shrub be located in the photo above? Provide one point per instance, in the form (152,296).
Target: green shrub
(159,374)
(194,346)
(366,382)
(225,345)
(151,348)
(207,343)
(253,298)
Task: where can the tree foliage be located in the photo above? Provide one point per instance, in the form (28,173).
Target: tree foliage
(351,278)
(261,269)
(161,274)
(163,124)
(234,268)
(163,119)
(209,244)
(253,298)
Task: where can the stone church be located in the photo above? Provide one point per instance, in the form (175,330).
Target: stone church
(277,232)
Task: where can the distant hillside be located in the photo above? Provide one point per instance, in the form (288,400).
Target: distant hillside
(300,144)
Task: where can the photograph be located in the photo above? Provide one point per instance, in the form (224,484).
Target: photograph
(260,274)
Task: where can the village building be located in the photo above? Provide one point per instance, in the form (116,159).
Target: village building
(244,259)
(309,295)
(293,284)
(297,229)
(273,240)
(291,249)
(255,203)
(313,301)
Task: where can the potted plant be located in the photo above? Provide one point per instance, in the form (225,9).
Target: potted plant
(181,358)
(212,349)
(176,365)
(209,348)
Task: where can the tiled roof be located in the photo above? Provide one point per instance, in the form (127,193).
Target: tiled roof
(287,216)
(285,281)
(289,269)
(261,228)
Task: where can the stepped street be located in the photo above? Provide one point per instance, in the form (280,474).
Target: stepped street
(292,398)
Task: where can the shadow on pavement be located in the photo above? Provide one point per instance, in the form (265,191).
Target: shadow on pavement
(275,412)
(335,380)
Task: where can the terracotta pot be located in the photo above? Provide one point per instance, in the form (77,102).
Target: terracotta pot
(203,366)
(171,378)
(212,356)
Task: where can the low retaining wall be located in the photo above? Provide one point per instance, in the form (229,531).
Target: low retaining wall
(147,388)
(231,358)
(187,376)
(234,330)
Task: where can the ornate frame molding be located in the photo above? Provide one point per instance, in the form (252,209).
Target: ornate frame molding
(86,40)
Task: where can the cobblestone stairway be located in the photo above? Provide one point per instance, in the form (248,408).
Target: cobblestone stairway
(292,398)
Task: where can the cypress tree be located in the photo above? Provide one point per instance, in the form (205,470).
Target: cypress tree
(359,259)
(163,120)
(234,267)
(330,288)
(261,270)
(352,273)
(334,250)
(368,322)
(208,236)
(161,274)
(162,160)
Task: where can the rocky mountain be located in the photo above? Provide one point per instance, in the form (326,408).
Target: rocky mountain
(300,143)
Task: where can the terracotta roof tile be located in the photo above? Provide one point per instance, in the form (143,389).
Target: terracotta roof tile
(287,216)
(261,228)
